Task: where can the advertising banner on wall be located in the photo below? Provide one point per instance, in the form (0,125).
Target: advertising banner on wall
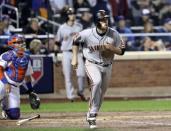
(42,77)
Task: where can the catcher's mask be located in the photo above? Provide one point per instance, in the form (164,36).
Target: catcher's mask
(17,42)
(102,20)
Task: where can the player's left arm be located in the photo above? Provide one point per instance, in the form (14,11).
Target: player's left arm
(28,83)
(75,48)
(34,99)
(116,50)
(118,47)
(5,58)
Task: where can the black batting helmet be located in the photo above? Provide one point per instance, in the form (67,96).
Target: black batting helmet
(70,11)
(101,15)
(66,10)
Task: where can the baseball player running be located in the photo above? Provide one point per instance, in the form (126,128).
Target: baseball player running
(64,39)
(15,66)
(100,44)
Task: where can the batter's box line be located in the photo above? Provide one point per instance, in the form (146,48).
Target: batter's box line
(138,123)
(135,117)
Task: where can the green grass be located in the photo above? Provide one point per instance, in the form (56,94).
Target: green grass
(108,106)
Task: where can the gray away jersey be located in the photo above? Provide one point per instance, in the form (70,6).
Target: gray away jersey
(89,37)
(65,35)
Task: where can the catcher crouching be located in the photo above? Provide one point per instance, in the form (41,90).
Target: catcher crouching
(15,68)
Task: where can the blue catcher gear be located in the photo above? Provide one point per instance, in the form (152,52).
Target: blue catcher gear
(17,41)
(13,113)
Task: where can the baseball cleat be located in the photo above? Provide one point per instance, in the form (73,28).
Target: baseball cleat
(71,100)
(91,119)
(92,124)
(4,115)
(81,96)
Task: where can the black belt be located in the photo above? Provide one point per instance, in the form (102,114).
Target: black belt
(100,63)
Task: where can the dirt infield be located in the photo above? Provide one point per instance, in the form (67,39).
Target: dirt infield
(120,121)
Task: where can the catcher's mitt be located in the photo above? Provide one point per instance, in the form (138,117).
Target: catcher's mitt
(34,100)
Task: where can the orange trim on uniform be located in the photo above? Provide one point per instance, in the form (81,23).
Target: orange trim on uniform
(1,72)
(21,73)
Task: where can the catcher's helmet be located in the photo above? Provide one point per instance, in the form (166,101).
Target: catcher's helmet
(101,16)
(16,41)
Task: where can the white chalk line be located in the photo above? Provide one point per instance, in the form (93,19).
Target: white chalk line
(140,123)
(136,117)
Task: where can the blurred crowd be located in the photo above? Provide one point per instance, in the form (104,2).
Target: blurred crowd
(154,16)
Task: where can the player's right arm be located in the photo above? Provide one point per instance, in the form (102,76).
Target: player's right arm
(78,39)
(58,39)
(4,59)
(75,49)
(2,77)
